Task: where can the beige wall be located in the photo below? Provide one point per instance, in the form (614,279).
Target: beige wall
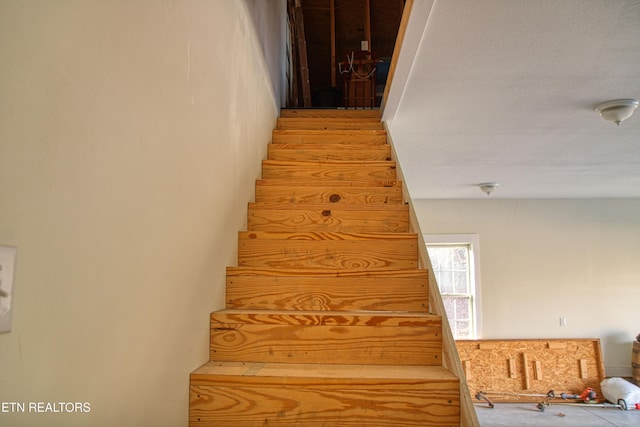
(543,259)
(131,133)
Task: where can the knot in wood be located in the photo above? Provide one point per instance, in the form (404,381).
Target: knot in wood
(334,198)
(231,337)
(326,213)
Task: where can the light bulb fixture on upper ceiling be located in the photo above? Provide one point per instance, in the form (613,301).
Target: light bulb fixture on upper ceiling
(617,111)
(488,187)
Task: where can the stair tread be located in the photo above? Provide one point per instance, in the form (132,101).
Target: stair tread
(375,373)
(328,146)
(346,318)
(330,131)
(324,235)
(324,272)
(328,123)
(319,316)
(329,162)
(331,119)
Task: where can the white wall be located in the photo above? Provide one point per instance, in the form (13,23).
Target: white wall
(543,259)
(131,133)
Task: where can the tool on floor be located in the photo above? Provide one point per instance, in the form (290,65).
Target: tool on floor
(593,404)
(588,394)
(484,395)
(588,397)
(481,396)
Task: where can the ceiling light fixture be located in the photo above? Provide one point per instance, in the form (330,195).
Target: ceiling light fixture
(488,187)
(617,111)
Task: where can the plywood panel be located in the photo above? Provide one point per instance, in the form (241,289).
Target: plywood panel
(532,366)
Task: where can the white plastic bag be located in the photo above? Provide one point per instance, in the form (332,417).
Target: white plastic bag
(621,392)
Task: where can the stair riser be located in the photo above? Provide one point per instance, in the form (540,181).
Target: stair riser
(316,152)
(356,137)
(319,337)
(326,344)
(330,254)
(275,169)
(327,123)
(333,219)
(335,195)
(329,113)
(307,402)
(329,293)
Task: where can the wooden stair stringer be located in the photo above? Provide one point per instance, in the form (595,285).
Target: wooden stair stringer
(327,319)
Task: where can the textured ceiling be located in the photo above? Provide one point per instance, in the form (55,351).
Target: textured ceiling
(505,90)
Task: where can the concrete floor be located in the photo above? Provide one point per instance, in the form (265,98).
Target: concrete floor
(527,414)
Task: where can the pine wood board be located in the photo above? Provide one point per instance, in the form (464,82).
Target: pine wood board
(533,366)
(329,113)
(290,290)
(314,217)
(331,136)
(351,251)
(258,394)
(331,373)
(327,123)
(327,273)
(324,152)
(324,236)
(354,337)
(335,192)
(365,318)
(396,209)
(336,170)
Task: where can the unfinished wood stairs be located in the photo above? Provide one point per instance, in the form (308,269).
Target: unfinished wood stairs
(327,320)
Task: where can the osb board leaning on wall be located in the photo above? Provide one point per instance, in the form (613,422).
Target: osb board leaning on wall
(532,366)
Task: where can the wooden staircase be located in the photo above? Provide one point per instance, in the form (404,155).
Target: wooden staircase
(327,318)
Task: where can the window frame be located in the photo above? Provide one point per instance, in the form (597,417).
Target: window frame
(473,241)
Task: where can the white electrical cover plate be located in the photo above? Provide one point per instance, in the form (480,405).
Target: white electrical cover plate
(7,266)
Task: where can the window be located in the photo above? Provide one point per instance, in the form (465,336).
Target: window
(454,261)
